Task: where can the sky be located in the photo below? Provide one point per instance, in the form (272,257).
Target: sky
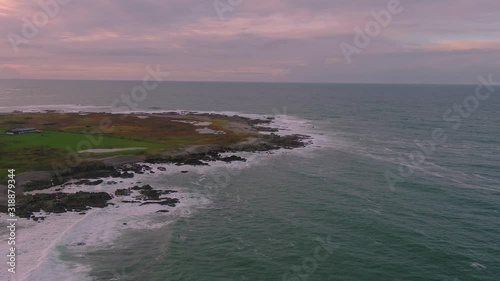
(419,41)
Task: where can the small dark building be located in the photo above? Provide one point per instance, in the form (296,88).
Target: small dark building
(20,131)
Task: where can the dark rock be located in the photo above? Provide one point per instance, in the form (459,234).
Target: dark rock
(151,194)
(144,187)
(60,202)
(39,185)
(287,142)
(166,201)
(58,208)
(123,192)
(232,158)
(88,182)
(135,168)
(131,201)
(162,211)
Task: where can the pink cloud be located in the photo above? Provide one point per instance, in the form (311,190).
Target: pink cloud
(460,45)
(260,39)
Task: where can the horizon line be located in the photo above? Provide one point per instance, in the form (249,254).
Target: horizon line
(250,82)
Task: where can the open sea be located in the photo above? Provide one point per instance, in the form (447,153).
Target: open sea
(401,182)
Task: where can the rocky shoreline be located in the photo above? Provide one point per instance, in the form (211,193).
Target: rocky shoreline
(91,173)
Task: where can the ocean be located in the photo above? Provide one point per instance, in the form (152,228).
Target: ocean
(401,182)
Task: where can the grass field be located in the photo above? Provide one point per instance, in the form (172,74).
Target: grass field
(62,133)
(62,140)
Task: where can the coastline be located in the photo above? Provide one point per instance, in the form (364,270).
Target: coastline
(246,135)
(190,159)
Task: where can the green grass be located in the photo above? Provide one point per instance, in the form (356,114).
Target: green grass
(37,152)
(219,123)
(76,141)
(33,152)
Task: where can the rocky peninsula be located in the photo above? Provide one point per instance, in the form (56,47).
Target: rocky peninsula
(85,148)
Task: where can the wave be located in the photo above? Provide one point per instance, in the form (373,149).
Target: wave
(35,241)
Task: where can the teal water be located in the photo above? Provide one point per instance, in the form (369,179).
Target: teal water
(325,212)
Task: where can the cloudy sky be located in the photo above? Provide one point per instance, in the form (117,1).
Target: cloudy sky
(429,41)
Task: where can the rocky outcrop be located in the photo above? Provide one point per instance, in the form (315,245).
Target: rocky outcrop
(147,193)
(89,182)
(123,192)
(60,202)
(81,201)
(232,158)
(165,202)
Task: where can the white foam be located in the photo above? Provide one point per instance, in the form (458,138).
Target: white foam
(129,213)
(34,241)
(477,266)
(100,228)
